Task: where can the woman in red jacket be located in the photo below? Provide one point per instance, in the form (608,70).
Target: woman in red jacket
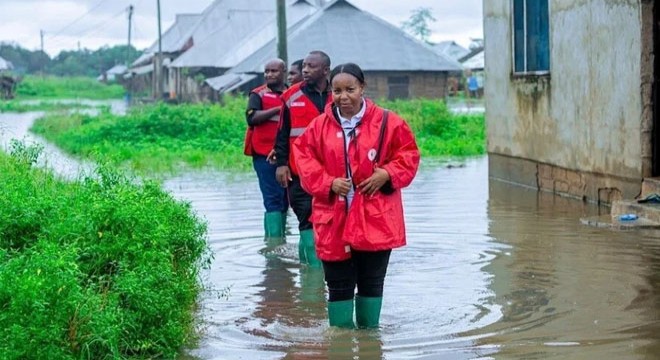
(354,159)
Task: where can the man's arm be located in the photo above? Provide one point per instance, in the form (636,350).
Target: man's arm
(255,115)
(282,139)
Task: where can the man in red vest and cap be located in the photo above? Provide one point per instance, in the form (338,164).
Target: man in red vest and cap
(263,114)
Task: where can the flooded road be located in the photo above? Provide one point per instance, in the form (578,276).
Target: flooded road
(491,271)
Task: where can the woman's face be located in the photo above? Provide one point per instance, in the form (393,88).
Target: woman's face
(347,94)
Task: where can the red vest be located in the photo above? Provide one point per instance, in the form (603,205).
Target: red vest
(260,139)
(302,111)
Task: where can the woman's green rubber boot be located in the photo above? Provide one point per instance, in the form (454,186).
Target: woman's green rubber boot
(367,311)
(340,314)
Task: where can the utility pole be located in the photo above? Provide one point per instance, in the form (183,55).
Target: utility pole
(128,48)
(41,34)
(281,31)
(158,63)
(129,84)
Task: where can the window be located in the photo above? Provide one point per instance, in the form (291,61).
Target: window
(398,87)
(531,46)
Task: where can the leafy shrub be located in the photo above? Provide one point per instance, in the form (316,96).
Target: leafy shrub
(104,267)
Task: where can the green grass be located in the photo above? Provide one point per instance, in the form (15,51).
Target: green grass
(17,106)
(164,138)
(100,268)
(53,87)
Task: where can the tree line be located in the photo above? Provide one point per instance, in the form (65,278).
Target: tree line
(82,62)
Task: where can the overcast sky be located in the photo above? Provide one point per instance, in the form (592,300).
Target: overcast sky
(69,24)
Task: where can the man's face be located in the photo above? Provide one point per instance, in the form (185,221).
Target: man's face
(295,75)
(274,74)
(314,70)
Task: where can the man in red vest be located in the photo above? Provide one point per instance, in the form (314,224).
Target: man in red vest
(264,106)
(302,102)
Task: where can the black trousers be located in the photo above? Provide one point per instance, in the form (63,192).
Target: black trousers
(365,269)
(301,203)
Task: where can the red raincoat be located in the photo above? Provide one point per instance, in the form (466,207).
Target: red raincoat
(371,223)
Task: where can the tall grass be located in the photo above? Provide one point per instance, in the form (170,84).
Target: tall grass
(166,138)
(156,137)
(101,268)
(438,131)
(54,87)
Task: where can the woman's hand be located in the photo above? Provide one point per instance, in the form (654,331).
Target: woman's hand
(374,182)
(341,186)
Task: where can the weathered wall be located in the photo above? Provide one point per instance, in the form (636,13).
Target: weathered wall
(426,84)
(585,117)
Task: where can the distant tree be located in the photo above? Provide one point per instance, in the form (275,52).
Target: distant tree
(24,61)
(82,62)
(418,23)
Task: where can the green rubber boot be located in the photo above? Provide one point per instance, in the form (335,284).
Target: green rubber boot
(273,224)
(307,250)
(367,311)
(340,314)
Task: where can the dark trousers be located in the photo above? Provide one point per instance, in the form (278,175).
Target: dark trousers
(301,203)
(366,269)
(273,194)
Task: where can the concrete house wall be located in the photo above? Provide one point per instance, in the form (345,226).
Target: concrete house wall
(583,130)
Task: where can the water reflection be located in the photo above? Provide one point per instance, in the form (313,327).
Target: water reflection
(491,271)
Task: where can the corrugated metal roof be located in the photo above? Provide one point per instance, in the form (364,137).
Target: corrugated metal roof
(230,57)
(229,82)
(451,49)
(348,34)
(174,38)
(476,62)
(5,64)
(224,24)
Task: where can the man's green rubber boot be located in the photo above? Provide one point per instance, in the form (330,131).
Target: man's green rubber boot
(307,250)
(273,224)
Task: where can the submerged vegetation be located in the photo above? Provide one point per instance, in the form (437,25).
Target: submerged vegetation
(94,269)
(165,138)
(54,87)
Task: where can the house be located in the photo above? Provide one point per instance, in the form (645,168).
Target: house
(5,65)
(395,64)
(112,74)
(451,49)
(228,32)
(571,93)
(176,39)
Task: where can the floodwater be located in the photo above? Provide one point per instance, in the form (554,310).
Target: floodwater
(491,271)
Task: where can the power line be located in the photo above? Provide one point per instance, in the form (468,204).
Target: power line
(77,19)
(95,28)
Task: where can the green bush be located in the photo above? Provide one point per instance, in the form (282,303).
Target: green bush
(157,137)
(163,137)
(54,87)
(97,269)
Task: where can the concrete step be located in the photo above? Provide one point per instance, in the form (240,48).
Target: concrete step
(607,221)
(650,186)
(646,211)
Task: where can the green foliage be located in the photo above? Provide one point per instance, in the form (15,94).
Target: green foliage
(98,269)
(18,106)
(158,137)
(438,131)
(82,62)
(418,23)
(168,138)
(53,87)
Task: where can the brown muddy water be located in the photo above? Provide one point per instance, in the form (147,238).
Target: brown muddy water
(491,271)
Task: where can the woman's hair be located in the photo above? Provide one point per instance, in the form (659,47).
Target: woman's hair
(348,68)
